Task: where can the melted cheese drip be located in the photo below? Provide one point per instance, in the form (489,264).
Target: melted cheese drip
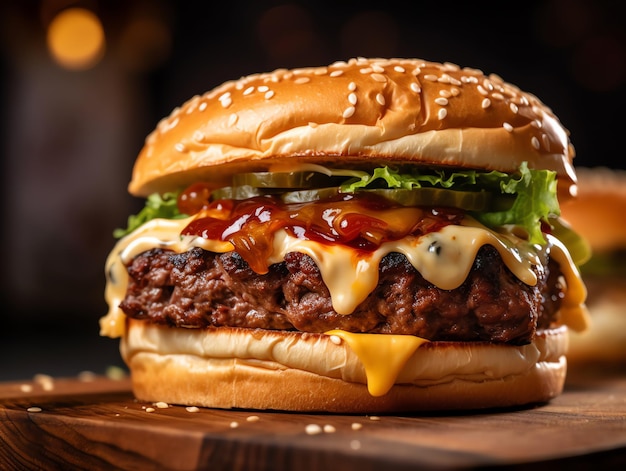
(444,258)
(573,312)
(382,356)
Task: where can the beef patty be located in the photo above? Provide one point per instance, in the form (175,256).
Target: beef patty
(197,289)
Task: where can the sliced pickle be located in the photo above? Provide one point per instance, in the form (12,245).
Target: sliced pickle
(467,200)
(305,196)
(235,193)
(286,180)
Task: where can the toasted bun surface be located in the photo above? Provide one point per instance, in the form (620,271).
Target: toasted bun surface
(360,111)
(239,368)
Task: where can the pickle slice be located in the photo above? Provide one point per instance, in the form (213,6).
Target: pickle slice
(235,193)
(305,196)
(467,200)
(286,180)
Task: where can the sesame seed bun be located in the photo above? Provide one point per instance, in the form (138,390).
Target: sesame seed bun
(598,215)
(398,110)
(232,368)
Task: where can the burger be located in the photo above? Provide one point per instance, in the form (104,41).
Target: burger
(376,235)
(598,215)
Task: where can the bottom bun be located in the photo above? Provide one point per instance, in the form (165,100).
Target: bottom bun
(294,371)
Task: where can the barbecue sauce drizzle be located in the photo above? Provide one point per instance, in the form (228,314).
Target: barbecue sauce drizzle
(360,221)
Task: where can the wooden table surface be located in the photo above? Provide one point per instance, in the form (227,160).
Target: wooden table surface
(95,423)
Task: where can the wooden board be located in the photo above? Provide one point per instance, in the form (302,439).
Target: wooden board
(96,424)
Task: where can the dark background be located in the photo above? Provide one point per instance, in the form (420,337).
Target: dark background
(69,137)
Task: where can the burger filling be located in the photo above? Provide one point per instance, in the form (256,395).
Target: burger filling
(438,254)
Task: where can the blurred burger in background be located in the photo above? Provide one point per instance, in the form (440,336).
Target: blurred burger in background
(599,215)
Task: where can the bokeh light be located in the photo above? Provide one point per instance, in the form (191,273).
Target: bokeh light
(76,39)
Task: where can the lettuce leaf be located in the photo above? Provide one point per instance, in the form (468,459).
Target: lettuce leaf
(533,192)
(156,206)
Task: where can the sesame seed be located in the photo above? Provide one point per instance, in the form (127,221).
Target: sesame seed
(536,124)
(441,101)
(301,80)
(34,409)
(198,136)
(445,78)
(535,142)
(46,381)
(335,339)
(497,96)
(374,418)
(546,141)
(86,376)
(379,78)
(445,93)
(226,102)
(263,88)
(415,87)
(352,98)
(150,409)
(253,418)
(380,99)
(336,73)
(455,91)
(356,426)
(329,428)
(378,68)
(366,70)
(400,69)
(507,126)
(232,119)
(417,71)
(180,147)
(26,388)
(481,90)
(192,409)
(487,84)
(513,107)
(269,94)
(320,71)
(162,405)
(352,86)
(349,111)
(202,106)
(234,424)
(248,91)
(442,113)
(430,77)
(313,429)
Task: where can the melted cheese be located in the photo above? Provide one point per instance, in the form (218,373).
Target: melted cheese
(573,312)
(382,356)
(444,258)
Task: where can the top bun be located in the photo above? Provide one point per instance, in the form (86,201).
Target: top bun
(363,110)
